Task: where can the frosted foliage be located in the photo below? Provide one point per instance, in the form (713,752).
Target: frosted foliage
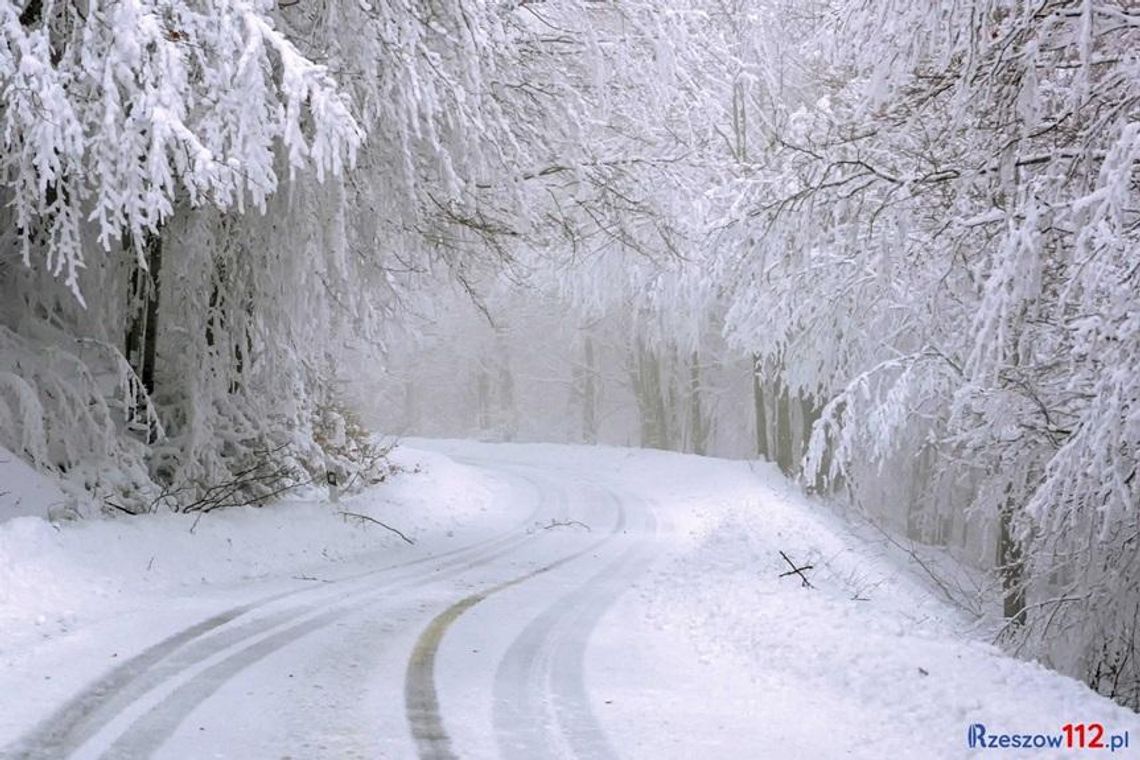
(946,251)
(113,110)
(57,415)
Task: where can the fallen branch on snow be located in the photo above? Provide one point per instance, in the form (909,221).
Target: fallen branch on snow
(310,578)
(565,524)
(366,518)
(961,602)
(797,571)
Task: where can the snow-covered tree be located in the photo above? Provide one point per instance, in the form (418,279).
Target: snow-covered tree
(939,234)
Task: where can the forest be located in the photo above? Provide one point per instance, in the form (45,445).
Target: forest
(893,247)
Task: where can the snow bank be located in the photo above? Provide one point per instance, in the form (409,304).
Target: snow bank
(870,663)
(57,575)
(23,491)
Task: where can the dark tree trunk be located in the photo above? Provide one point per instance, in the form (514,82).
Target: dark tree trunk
(150,339)
(32,12)
(142,323)
(136,315)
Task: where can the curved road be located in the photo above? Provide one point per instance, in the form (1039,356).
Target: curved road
(476,652)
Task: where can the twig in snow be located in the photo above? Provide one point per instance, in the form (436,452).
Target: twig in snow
(565,524)
(310,578)
(366,518)
(120,507)
(797,571)
(938,581)
(861,586)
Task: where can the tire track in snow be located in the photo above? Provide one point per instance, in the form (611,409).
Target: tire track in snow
(539,684)
(90,711)
(149,731)
(57,735)
(421,699)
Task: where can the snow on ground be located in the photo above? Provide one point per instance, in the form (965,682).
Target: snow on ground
(870,663)
(24,492)
(57,576)
(708,652)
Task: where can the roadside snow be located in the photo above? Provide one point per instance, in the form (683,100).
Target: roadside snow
(710,652)
(57,576)
(870,663)
(24,492)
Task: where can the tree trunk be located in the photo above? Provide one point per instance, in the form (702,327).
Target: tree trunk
(508,421)
(589,396)
(142,322)
(411,413)
(809,413)
(1010,561)
(650,402)
(697,424)
(483,400)
(150,339)
(762,449)
(785,455)
(922,522)
(1011,565)
(32,12)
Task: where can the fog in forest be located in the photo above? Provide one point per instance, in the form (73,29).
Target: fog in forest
(892,249)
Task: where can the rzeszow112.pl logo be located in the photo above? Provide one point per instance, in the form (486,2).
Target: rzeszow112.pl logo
(1071,736)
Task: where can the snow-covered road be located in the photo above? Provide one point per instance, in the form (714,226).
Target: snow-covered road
(602,603)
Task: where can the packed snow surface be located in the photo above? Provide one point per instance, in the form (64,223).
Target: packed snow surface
(558,601)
